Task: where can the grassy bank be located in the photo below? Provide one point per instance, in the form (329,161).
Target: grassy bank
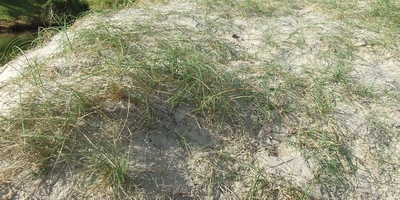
(211,99)
(21,12)
(23,15)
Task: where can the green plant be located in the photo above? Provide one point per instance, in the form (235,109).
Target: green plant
(107,168)
(386,10)
(333,160)
(64,8)
(107,4)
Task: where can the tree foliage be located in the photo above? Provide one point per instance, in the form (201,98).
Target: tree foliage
(64,8)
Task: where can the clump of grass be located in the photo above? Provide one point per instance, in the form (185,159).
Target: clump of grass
(333,160)
(45,126)
(386,10)
(58,129)
(275,189)
(178,70)
(107,167)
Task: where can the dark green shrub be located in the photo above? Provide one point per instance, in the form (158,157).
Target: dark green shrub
(106,4)
(64,8)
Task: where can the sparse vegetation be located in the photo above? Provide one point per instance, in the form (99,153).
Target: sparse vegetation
(170,105)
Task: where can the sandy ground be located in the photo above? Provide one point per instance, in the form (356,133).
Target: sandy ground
(171,171)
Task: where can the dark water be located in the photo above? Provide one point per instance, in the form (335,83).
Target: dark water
(11,44)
